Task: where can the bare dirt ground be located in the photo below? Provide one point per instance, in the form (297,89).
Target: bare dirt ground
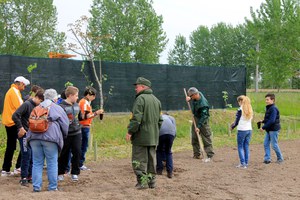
(192,179)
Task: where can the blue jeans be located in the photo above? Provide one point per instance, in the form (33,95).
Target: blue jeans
(243,140)
(26,160)
(272,137)
(40,151)
(164,150)
(84,144)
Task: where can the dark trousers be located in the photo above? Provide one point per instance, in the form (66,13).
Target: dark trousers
(11,145)
(72,143)
(164,151)
(26,159)
(84,143)
(144,162)
(205,134)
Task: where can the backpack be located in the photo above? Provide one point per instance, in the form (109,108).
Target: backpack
(38,119)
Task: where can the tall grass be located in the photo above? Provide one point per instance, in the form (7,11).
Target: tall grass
(109,134)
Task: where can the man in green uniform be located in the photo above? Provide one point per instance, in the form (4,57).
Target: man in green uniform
(200,109)
(143,131)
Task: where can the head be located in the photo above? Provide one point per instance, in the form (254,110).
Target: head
(21,82)
(38,96)
(142,84)
(72,94)
(245,103)
(34,90)
(270,98)
(51,95)
(194,93)
(90,93)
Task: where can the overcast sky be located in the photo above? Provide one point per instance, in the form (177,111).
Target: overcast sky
(180,16)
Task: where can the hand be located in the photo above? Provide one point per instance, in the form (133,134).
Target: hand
(128,137)
(197,130)
(100,111)
(261,130)
(187,98)
(21,132)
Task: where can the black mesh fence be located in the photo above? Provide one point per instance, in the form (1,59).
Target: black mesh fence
(167,81)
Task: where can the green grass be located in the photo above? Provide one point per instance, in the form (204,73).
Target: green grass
(287,102)
(109,134)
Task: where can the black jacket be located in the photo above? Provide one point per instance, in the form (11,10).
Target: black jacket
(272,119)
(21,115)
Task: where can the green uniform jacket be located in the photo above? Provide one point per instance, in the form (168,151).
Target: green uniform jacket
(200,110)
(146,119)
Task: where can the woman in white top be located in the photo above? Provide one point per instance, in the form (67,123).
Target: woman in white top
(243,120)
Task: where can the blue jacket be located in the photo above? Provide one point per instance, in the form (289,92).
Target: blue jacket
(272,118)
(58,126)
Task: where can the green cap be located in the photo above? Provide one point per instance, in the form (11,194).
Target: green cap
(142,81)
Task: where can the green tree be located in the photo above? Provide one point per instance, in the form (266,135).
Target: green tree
(222,45)
(276,27)
(179,55)
(135,29)
(28,28)
(201,47)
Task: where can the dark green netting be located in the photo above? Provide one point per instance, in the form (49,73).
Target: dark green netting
(118,90)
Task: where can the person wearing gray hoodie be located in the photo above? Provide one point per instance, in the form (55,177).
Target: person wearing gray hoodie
(48,144)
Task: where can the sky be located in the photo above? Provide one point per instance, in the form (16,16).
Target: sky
(180,16)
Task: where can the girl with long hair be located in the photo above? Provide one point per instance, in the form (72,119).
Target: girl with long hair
(243,121)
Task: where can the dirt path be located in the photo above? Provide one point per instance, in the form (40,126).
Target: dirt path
(192,179)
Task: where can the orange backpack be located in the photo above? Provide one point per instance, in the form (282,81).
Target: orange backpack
(38,120)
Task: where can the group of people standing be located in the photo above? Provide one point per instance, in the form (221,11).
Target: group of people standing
(150,132)
(64,141)
(149,129)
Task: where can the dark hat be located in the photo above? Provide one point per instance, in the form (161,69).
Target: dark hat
(142,81)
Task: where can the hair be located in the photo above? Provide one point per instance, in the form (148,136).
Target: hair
(40,94)
(71,90)
(50,94)
(34,90)
(271,95)
(90,91)
(247,110)
(193,91)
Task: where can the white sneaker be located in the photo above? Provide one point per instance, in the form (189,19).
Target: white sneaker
(60,178)
(17,171)
(241,166)
(5,173)
(84,168)
(207,160)
(74,177)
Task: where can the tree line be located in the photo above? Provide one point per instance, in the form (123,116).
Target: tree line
(267,44)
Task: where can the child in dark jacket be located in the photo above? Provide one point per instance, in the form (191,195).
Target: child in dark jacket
(73,141)
(21,118)
(272,127)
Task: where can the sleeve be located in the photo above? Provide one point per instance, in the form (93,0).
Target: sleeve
(271,120)
(137,116)
(174,124)
(16,99)
(17,116)
(237,118)
(63,121)
(160,121)
(204,113)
